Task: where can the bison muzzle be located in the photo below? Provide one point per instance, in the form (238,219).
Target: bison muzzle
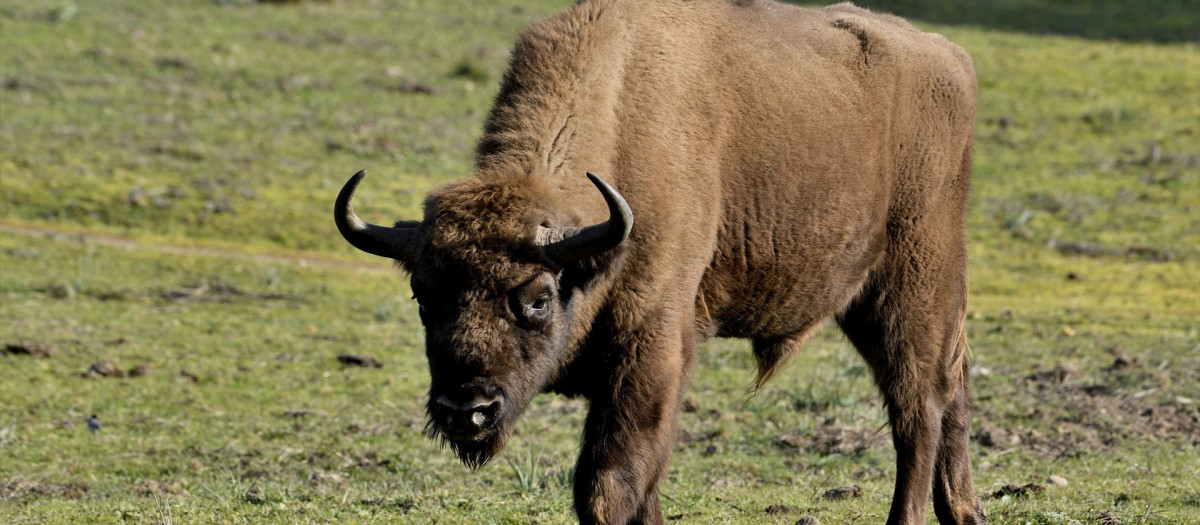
(785,166)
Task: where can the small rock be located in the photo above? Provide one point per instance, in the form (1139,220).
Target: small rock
(691,405)
(104,369)
(852,491)
(980,371)
(808,520)
(1057,481)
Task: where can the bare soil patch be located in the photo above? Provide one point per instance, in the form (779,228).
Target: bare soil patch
(34,349)
(837,439)
(359,360)
(1073,415)
(852,491)
(20,488)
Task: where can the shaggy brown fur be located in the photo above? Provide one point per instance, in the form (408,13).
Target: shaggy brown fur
(784,166)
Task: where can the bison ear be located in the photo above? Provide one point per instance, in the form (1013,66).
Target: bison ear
(399,242)
(565,246)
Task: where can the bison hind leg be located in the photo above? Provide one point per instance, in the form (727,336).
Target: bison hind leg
(772,353)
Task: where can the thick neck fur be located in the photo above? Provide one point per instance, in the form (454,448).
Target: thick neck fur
(553,117)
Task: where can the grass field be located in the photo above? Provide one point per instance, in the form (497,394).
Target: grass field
(168,263)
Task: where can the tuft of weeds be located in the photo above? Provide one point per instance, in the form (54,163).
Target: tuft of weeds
(527,470)
(469,69)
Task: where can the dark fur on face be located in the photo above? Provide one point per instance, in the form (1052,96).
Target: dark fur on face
(477,256)
(477,453)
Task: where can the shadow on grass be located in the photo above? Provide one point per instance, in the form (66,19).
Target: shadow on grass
(1134,20)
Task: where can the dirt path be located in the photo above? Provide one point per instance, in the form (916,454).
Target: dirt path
(106,239)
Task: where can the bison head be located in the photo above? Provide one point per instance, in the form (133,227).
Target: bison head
(497,276)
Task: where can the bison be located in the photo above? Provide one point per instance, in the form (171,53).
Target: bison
(763,168)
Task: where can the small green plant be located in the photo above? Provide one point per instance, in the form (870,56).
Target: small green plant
(470,70)
(527,470)
(1109,119)
(64,13)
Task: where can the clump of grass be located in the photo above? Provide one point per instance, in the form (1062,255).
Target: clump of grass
(1109,119)
(527,470)
(64,13)
(469,69)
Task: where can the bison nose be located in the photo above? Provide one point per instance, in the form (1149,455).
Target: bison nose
(469,410)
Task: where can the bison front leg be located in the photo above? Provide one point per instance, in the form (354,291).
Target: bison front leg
(628,437)
(624,456)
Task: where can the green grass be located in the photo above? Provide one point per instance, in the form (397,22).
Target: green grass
(199,145)
(1145,21)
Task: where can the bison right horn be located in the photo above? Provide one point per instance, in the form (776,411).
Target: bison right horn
(397,243)
(568,245)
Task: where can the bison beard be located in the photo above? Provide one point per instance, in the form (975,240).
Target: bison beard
(476,453)
(785,166)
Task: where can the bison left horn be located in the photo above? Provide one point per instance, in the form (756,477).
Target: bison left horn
(567,245)
(397,243)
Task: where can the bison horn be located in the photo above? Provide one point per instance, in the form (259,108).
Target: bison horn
(397,243)
(567,245)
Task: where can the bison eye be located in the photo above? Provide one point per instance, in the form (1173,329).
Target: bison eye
(420,309)
(533,315)
(532,303)
(538,311)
